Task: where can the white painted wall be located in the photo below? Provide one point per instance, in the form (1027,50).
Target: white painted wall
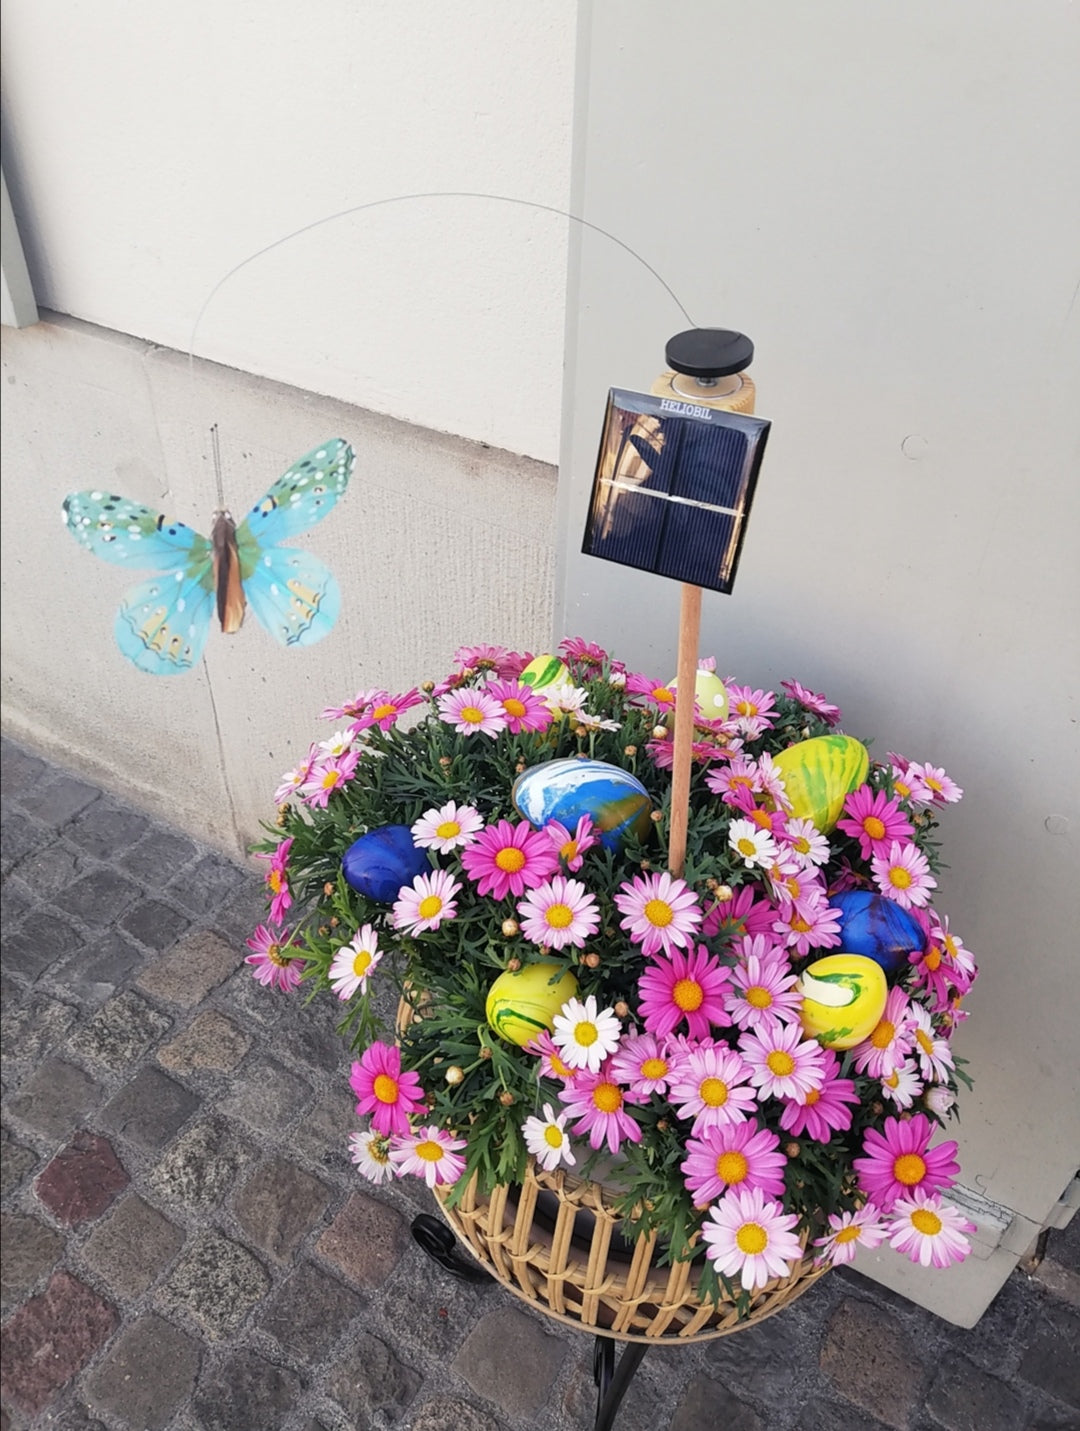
(151,148)
(881,197)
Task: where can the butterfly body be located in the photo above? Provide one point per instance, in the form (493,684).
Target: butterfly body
(162,623)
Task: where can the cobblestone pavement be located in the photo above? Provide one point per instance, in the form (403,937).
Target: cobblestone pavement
(187,1247)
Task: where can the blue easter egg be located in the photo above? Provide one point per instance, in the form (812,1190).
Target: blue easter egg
(564,790)
(877,928)
(380,862)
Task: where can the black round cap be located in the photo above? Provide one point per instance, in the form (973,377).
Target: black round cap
(709,352)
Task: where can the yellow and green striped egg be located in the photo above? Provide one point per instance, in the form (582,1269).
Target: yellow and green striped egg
(522,1003)
(843,999)
(819,774)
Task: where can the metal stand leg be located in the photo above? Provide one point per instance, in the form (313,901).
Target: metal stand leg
(441,1246)
(611,1380)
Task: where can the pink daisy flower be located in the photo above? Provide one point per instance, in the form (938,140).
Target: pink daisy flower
(450,827)
(293,780)
(903,1085)
(933,1052)
(686,986)
(752,709)
(354,708)
(354,963)
(753,1237)
(370,1152)
(470,710)
(390,1096)
(930,785)
(559,913)
(386,709)
(521,706)
(782,1063)
(736,1156)
(576,648)
(663,697)
(825,1110)
(890,1041)
(809,923)
(271,965)
(572,848)
(900,1162)
(806,842)
(904,875)
(277,882)
(848,1231)
(739,912)
(598,1104)
(739,775)
(930,1232)
(552,1063)
(484,657)
(430,1153)
(426,902)
(660,911)
(711,1088)
(509,859)
(643,1064)
(958,962)
(763,990)
(327,776)
(875,820)
(813,702)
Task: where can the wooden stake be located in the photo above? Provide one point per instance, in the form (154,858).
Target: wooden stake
(685,700)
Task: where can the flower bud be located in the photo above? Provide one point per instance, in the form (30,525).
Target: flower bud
(281,816)
(445,762)
(510,927)
(939,1099)
(328,888)
(506,1098)
(660,732)
(591,960)
(334,921)
(485,1053)
(724,893)
(630,750)
(621,1008)
(513,965)
(454,1075)
(520,767)
(427,687)
(656,816)
(792,1150)
(617,679)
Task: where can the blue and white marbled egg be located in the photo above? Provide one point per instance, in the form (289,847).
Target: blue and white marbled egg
(564,790)
(380,862)
(877,928)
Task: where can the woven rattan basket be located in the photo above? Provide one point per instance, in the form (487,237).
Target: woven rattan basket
(554,1242)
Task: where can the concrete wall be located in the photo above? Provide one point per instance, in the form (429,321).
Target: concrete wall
(438,541)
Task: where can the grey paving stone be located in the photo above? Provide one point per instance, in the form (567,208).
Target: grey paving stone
(247,998)
(120,1032)
(158,857)
(155,924)
(98,899)
(40,941)
(247,1391)
(56,801)
(511,1360)
(447,1413)
(242,911)
(27,1031)
(364,1241)
(130,1249)
(82,1180)
(963,1398)
(29,1249)
(149,1110)
(217,1282)
(20,769)
(49,870)
(1050,1361)
(198,963)
(424,1308)
(370,1379)
(762,1362)
(211,1041)
(100,968)
(206,885)
(1061,1282)
(870,1359)
(323,1136)
(15,1163)
(14,905)
(309,1313)
(278,1205)
(106,831)
(147,1374)
(201,1166)
(19,837)
(707,1403)
(72,1417)
(267,1096)
(821,1415)
(55,1098)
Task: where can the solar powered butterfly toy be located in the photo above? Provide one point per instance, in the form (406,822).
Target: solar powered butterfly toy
(163,623)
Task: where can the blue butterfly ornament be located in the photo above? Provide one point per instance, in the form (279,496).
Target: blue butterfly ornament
(163,623)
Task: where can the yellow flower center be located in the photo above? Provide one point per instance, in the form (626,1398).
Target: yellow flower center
(848,1234)
(901,789)
(380,713)
(933,958)
(429,907)
(812,1097)
(378,1152)
(330,779)
(607,1097)
(515,709)
(586,1034)
(751,1238)
(900,877)
(713,1092)
(553,1136)
(361,963)
(385,1088)
(558,916)
(746,846)
(274,954)
(891,1080)
(731,1167)
(780,1062)
(950,947)
(884,1034)
(933,784)
(274,881)
(569,851)
(746,708)
(798,925)
(429,1150)
(688,995)
(925,1042)
(654,1068)
(510,859)
(802,844)
(471,715)
(909,1169)
(735,780)
(659,913)
(663,696)
(926,1222)
(874,827)
(758,997)
(761,818)
(793,887)
(448,830)
(562,1069)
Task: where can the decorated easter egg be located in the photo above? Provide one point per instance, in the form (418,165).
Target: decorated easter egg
(522,1003)
(878,928)
(819,773)
(380,862)
(564,790)
(843,999)
(711,694)
(544,671)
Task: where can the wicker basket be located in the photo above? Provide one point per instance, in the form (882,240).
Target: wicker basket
(554,1242)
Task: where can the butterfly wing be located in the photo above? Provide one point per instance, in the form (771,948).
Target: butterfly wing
(293,594)
(129,534)
(301,497)
(162,624)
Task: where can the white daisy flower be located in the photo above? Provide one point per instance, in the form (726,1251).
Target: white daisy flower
(584,1034)
(547,1141)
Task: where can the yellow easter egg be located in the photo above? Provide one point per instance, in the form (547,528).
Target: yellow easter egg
(819,774)
(522,1003)
(711,694)
(544,671)
(843,999)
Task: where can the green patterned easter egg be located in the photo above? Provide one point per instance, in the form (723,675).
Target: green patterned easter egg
(818,775)
(522,1003)
(544,671)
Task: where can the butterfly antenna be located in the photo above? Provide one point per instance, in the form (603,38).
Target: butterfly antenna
(215,446)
